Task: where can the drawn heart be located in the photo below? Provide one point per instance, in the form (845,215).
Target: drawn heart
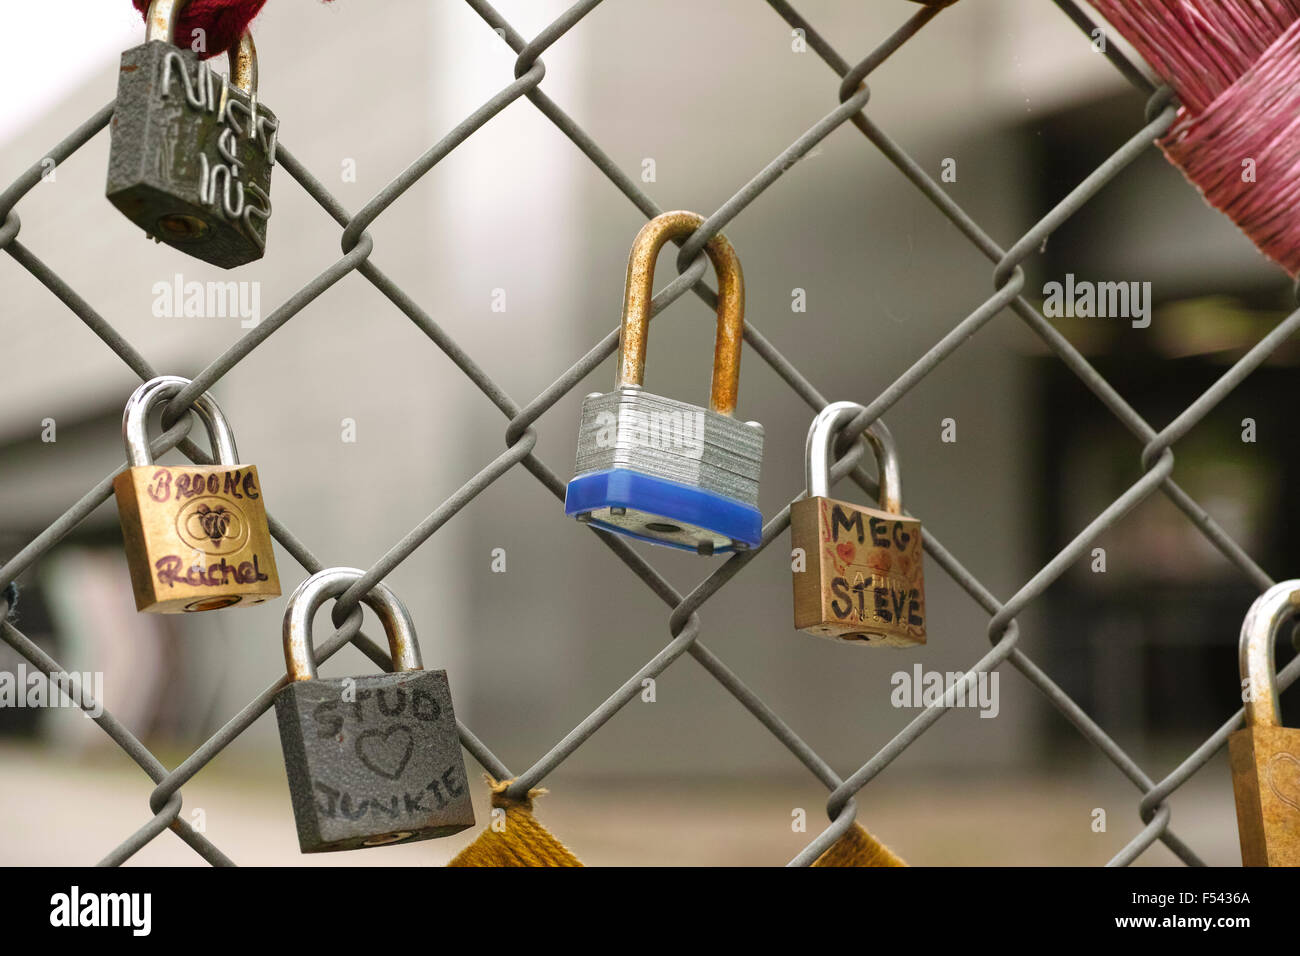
(386,752)
(1284,778)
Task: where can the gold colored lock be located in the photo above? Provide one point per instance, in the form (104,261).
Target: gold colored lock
(196,536)
(862,577)
(1265,756)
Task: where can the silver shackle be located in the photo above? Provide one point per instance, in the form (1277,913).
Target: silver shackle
(819,454)
(305,601)
(135,421)
(1267,616)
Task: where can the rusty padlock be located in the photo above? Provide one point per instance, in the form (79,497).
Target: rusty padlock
(191,155)
(862,576)
(1265,756)
(196,535)
(371,760)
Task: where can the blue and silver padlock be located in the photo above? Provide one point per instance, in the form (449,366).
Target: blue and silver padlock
(661,470)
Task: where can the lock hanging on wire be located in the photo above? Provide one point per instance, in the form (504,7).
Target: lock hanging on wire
(862,578)
(196,536)
(372,760)
(1265,756)
(657,469)
(191,154)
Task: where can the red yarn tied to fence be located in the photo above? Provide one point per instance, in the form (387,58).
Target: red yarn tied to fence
(1235,65)
(223,22)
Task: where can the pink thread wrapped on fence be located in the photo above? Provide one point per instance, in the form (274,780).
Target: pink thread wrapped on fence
(1235,65)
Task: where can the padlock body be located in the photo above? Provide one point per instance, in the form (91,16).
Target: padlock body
(862,577)
(1266,783)
(182,164)
(196,537)
(667,472)
(373,760)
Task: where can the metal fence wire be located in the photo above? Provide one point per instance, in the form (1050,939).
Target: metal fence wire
(1156,452)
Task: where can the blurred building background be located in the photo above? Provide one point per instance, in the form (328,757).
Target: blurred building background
(710,92)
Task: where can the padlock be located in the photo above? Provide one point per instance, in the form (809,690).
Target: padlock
(371,760)
(661,470)
(1265,756)
(196,536)
(191,154)
(861,578)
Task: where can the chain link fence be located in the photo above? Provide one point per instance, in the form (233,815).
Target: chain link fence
(1155,447)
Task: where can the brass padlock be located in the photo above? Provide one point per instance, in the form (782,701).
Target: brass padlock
(191,153)
(862,577)
(1265,756)
(196,535)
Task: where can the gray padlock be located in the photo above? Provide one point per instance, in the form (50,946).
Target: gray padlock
(191,153)
(372,760)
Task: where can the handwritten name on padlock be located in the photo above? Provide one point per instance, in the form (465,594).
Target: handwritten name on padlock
(385,751)
(220,187)
(236,483)
(208,525)
(332,716)
(442,790)
(875,584)
(172,571)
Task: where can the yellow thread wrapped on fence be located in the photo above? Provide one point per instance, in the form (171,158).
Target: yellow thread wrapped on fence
(521,842)
(858,848)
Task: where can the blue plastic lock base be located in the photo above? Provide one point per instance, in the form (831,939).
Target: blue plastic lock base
(621,488)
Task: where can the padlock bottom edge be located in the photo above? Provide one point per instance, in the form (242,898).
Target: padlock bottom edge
(379,841)
(658,498)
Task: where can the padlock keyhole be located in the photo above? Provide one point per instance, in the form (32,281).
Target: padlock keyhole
(663,527)
(182,228)
(212,604)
